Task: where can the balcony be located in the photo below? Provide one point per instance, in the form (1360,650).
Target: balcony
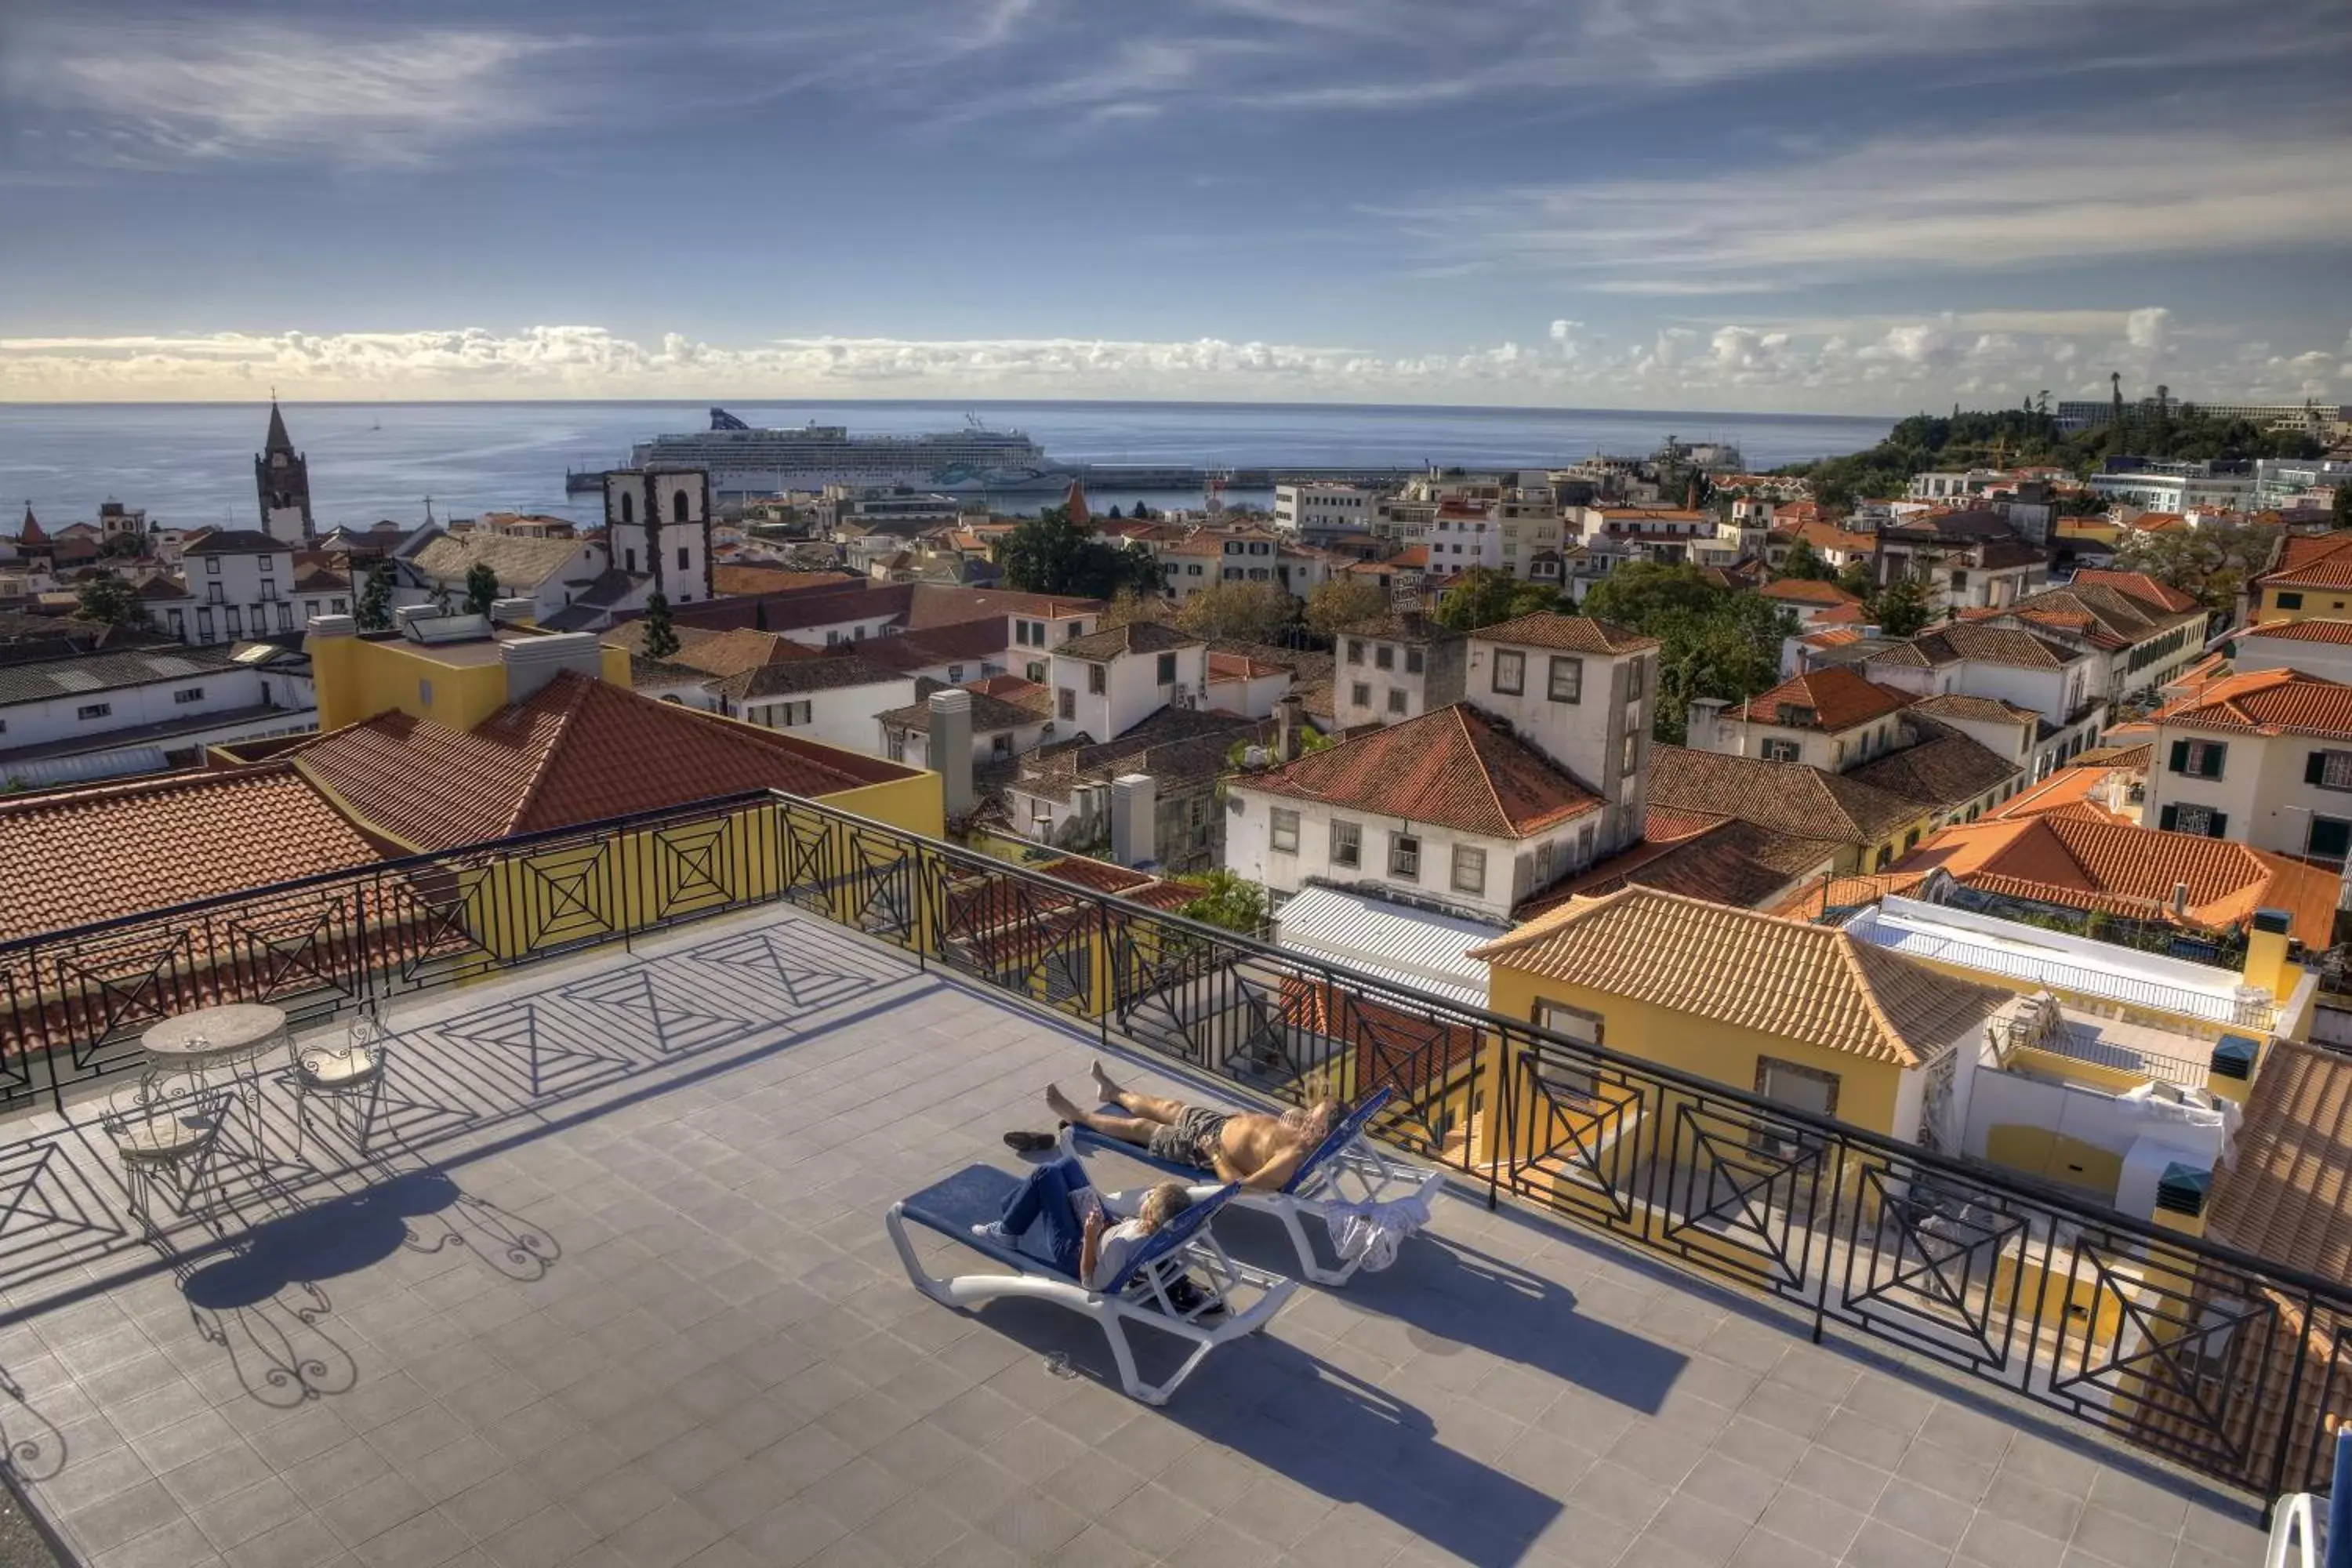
(611,1284)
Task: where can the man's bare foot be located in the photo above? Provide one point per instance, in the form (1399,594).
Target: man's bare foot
(1059,1104)
(1104,1087)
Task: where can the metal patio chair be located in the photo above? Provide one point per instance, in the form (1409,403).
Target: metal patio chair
(166,1139)
(347,1075)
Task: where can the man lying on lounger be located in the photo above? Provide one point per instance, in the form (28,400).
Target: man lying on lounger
(1245,1146)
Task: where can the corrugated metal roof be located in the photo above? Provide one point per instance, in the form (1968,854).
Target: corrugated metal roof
(1390,941)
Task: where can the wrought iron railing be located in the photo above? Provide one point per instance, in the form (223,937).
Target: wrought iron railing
(2213,1358)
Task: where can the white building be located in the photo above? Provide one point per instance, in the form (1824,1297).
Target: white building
(551,573)
(2284,481)
(2263,758)
(104,715)
(830,699)
(658,524)
(2176,487)
(1464,534)
(1332,509)
(2315,647)
(1831,718)
(1107,683)
(1002,726)
(1397,669)
(2005,664)
(240,583)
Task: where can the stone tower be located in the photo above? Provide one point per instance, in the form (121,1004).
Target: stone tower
(282,477)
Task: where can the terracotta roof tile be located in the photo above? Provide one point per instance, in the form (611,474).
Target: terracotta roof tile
(1980,710)
(1947,771)
(75,856)
(1569,634)
(578,750)
(774,580)
(714,653)
(1805,591)
(1832,699)
(2338,632)
(1789,797)
(1450,768)
(2286,1191)
(2313,561)
(2268,702)
(2138,586)
(1730,862)
(1811,984)
(2073,860)
(1986,645)
(1134,637)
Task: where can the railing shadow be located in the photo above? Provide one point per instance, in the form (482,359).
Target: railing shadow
(31,1444)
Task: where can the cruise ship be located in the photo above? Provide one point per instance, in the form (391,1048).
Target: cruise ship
(744,460)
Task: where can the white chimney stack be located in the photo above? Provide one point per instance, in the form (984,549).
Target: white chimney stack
(1134,819)
(950,749)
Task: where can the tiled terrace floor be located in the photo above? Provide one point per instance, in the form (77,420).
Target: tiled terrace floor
(621,1294)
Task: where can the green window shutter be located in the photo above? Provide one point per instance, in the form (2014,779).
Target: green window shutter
(2168,817)
(2221,826)
(2179,764)
(2214,758)
(2313,763)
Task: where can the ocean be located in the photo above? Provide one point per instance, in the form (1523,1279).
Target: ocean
(191,465)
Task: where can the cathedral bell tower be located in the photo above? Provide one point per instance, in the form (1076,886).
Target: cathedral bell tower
(282,477)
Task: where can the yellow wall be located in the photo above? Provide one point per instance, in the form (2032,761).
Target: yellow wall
(357,678)
(2039,1151)
(2319,604)
(1724,1053)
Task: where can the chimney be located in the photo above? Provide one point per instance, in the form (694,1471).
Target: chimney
(531,662)
(1134,819)
(1706,719)
(514,611)
(2180,901)
(1289,725)
(949,748)
(2269,966)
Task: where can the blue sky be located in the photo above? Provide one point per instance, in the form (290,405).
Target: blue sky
(1867,206)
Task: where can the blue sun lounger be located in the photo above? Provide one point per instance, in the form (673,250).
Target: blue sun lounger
(1345,1168)
(963,1206)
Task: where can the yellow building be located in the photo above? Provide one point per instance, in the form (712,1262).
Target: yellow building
(2311,580)
(1802,1015)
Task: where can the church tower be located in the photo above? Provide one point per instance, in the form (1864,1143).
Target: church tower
(282,476)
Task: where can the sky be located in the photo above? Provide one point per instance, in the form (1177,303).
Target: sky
(1866,206)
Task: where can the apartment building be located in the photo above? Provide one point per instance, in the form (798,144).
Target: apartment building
(2265,758)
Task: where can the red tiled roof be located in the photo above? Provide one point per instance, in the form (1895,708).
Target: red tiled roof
(2139,585)
(2072,858)
(1805,591)
(1569,634)
(79,856)
(1838,697)
(1240,667)
(1450,768)
(2303,631)
(2268,702)
(578,750)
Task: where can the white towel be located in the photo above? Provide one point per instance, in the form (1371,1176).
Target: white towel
(1372,1231)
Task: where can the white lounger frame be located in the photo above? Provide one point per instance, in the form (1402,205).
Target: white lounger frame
(1144,1299)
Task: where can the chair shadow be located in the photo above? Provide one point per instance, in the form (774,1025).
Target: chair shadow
(1319,1425)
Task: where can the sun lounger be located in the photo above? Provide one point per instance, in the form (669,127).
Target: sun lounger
(1346,1168)
(964,1207)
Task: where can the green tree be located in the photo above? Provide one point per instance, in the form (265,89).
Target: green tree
(1251,612)
(2211,563)
(1902,610)
(1229,900)
(481,588)
(110,601)
(1856,579)
(1344,603)
(661,636)
(2343,506)
(374,610)
(1483,596)
(1805,564)
(1048,554)
(1714,642)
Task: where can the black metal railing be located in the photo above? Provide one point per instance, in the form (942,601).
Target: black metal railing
(2213,1358)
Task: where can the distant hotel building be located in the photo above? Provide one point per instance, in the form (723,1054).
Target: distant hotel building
(2314,418)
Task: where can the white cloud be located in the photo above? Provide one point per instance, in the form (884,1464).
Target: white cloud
(1863,364)
(153,91)
(1968,203)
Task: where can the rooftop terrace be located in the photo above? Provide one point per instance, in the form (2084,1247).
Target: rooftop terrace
(612,1286)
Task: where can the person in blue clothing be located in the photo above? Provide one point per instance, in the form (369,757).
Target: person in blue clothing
(1056,1217)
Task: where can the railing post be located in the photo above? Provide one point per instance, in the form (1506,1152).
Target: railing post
(2287,1410)
(1830,1236)
(1108,978)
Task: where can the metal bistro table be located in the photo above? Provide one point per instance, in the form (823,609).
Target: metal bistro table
(197,1044)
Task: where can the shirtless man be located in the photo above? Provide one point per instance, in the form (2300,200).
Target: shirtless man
(1245,1146)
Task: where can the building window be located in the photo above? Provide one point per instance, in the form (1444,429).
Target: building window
(629,559)
(1035,671)
(235,620)
(1510,672)
(212,567)
(628,509)
(677,509)
(1284,833)
(1396,699)
(1347,844)
(1631,751)
(999,745)
(189,694)
(1362,694)
(1567,680)
(1067,703)
(1167,672)
(1404,857)
(1781,750)
(93,710)
(2201,820)
(681,558)
(897,749)
(1959,580)
(2200,759)
(213,594)
(1383,657)
(1798,1088)
(1469,870)
(1355,650)
(1097,680)
(2331,837)
(1634,680)
(2290,601)
(2328,770)
(788,715)
(1566,1078)
(1412,661)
